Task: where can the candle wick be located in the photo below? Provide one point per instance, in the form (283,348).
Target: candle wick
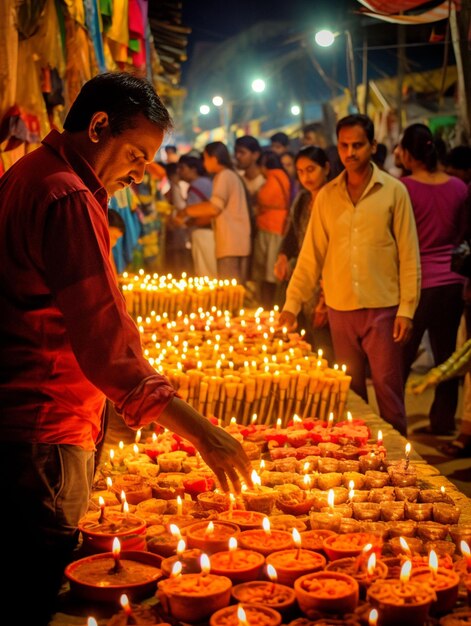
(298,553)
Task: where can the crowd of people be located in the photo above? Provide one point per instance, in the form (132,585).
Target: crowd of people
(327,233)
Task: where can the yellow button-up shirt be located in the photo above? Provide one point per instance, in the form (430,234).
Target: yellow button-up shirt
(367,254)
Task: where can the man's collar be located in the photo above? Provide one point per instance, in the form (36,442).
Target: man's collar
(378,176)
(58,143)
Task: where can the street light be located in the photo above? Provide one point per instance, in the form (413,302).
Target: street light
(204,109)
(258,85)
(326,38)
(295,109)
(218,101)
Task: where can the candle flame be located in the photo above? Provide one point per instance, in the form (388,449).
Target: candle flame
(278,423)
(307,481)
(296,537)
(271,573)
(266,525)
(408,448)
(349,417)
(205,564)
(405,571)
(404,545)
(121,445)
(135,449)
(154,437)
(109,482)
(433,561)
(262,464)
(380,436)
(232,498)
(179,505)
(331,498)
(351,485)
(465,550)
(297,419)
(111,454)
(256,480)
(116,547)
(125,507)
(254,418)
(101,501)
(373,617)
(91,621)
(442,489)
(371,565)
(123,496)
(232,544)
(176,569)
(181,547)
(124,601)
(367,548)
(241,616)
(209,529)
(138,436)
(306,467)
(233,421)
(344,368)
(175,531)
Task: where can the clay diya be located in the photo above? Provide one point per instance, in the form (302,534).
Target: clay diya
(403,601)
(99,529)
(432,531)
(194,597)
(329,592)
(237,564)
(350,544)
(271,594)
(291,564)
(401,546)
(363,570)
(104,577)
(266,540)
(134,486)
(243,615)
(445,582)
(136,614)
(325,521)
(211,501)
(366,511)
(245,520)
(444,513)
(314,539)
(295,502)
(407,528)
(419,512)
(210,537)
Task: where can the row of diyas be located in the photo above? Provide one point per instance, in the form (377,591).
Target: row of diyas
(145,293)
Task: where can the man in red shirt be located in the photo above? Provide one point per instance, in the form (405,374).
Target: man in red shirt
(66,340)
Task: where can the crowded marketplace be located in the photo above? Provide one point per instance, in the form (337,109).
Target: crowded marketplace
(235,328)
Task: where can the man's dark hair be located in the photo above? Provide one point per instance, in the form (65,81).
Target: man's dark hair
(314,127)
(194,163)
(220,151)
(357,119)
(271,160)
(418,141)
(115,220)
(123,97)
(379,157)
(459,158)
(249,142)
(281,138)
(170,148)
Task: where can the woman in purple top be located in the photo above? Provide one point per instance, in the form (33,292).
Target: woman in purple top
(438,201)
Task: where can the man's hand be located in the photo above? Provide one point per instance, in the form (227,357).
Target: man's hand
(288,320)
(224,454)
(402,329)
(179,219)
(417,386)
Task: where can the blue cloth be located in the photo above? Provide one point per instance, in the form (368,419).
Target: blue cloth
(123,251)
(93,24)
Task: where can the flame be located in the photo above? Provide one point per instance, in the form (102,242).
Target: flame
(254,418)
(125,507)
(278,423)
(405,571)
(241,616)
(271,573)
(380,436)
(266,525)
(154,437)
(306,467)
(344,368)
(408,449)
(433,562)
(116,547)
(371,565)
(404,545)
(101,501)
(181,547)
(367,548)
(331,418)
(109,482)
(123,496)
(331,498)
(349,417)
(297,419)
(179,505)
(307,481)
(232,498)
(205,564)
(175,531)
(296,537)
(124,601)
(320,352)
(442,489)
(138,436)
(351,484)
(233,421)
(135,449)
(256,480)
(91,621)
(209,529)
(232,544)
(373,617)
(111,455)
(176,569)
(464,547)
(262,464)
(121,446)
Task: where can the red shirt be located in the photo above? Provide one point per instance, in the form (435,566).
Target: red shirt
(66,340)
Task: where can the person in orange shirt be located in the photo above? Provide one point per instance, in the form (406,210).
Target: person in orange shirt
(272,206)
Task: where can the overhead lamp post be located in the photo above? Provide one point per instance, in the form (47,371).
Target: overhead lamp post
(295,109)
(258,85)
(204,109)
(326,38)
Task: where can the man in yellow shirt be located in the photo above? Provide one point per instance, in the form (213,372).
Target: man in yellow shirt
(362,239)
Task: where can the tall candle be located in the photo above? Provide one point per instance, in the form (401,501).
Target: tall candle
(408,449)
